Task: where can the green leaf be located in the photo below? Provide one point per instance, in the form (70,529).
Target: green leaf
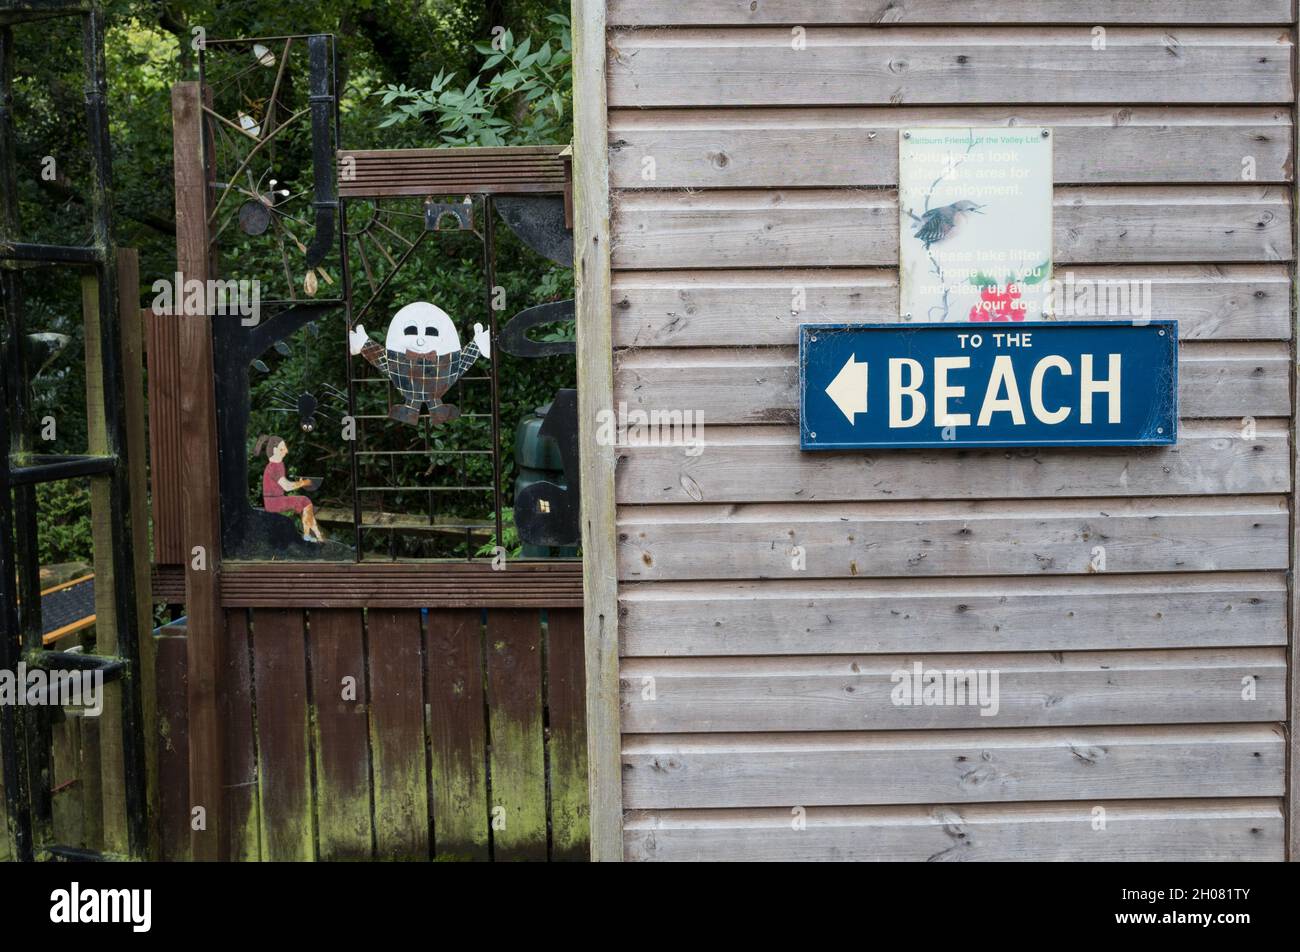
(1042,271)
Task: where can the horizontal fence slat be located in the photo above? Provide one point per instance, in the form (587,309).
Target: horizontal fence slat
(1189,830)
(765,464)
(675,771)
(758,308)
(849,147)
(1031,537)
(861,692)
(885,12)
(911,65)
(731,387)
(401,584)
(1102,611)
(857,228)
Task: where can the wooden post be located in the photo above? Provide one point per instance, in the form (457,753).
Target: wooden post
(106,744)
(1292,802)
(132,337)
(591,274)
(109,753)
(199,491)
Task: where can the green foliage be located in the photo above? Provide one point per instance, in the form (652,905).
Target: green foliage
(64,522)
(521,96)
(513,545)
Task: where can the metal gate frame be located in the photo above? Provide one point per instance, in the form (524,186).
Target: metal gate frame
(25,731)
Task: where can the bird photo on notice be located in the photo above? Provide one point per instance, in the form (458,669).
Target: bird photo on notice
(939,223)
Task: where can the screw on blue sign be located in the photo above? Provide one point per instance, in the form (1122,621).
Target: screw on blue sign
(1077,383)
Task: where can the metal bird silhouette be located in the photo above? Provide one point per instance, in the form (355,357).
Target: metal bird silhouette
(938,223)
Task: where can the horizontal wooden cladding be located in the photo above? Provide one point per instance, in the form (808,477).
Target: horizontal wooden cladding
(167,584)
(1216,380)
(957,12)
(888,539)
(910,65)
(723,308)
(1189,830)
(765,464)
(1093,612)
(392,172)
(400,585)
(857,692)
(848,147)
(673,771)
(819,228)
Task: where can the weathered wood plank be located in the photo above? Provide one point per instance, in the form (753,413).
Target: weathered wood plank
(905,65)
(765,308)
(592,242)
(887,12)
(173,744)
(108,735)
(515,720)
(855,228)
(1089,612)
(859,692)
(1291,803)
(6,854)
(401,772)
(243,795)
(566,746)
(201,520)
(1191,830)
(131,337)
(283,744)
(457,734)
(341,737)
(765,464)
(675,771)
(1033,537)
(1217,380)
(845,147)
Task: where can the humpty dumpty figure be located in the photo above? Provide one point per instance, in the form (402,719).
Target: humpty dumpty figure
(423,358)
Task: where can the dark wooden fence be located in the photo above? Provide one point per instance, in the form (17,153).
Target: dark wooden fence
(389,733)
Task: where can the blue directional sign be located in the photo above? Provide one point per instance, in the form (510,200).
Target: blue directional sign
(1077,383)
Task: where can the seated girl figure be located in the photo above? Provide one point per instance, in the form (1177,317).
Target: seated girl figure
(276,486)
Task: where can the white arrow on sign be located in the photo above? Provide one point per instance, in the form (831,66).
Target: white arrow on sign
(849,388)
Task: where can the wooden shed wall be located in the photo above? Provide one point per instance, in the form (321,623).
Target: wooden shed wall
(756,721)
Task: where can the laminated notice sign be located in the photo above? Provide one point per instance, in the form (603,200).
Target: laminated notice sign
(975,215)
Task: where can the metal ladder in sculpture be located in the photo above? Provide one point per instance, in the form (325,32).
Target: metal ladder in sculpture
(25,731)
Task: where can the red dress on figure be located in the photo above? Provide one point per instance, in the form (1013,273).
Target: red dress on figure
(273,497)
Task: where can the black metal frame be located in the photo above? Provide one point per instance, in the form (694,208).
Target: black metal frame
(433,215)
(25,731)
(538,219)
(249,533)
